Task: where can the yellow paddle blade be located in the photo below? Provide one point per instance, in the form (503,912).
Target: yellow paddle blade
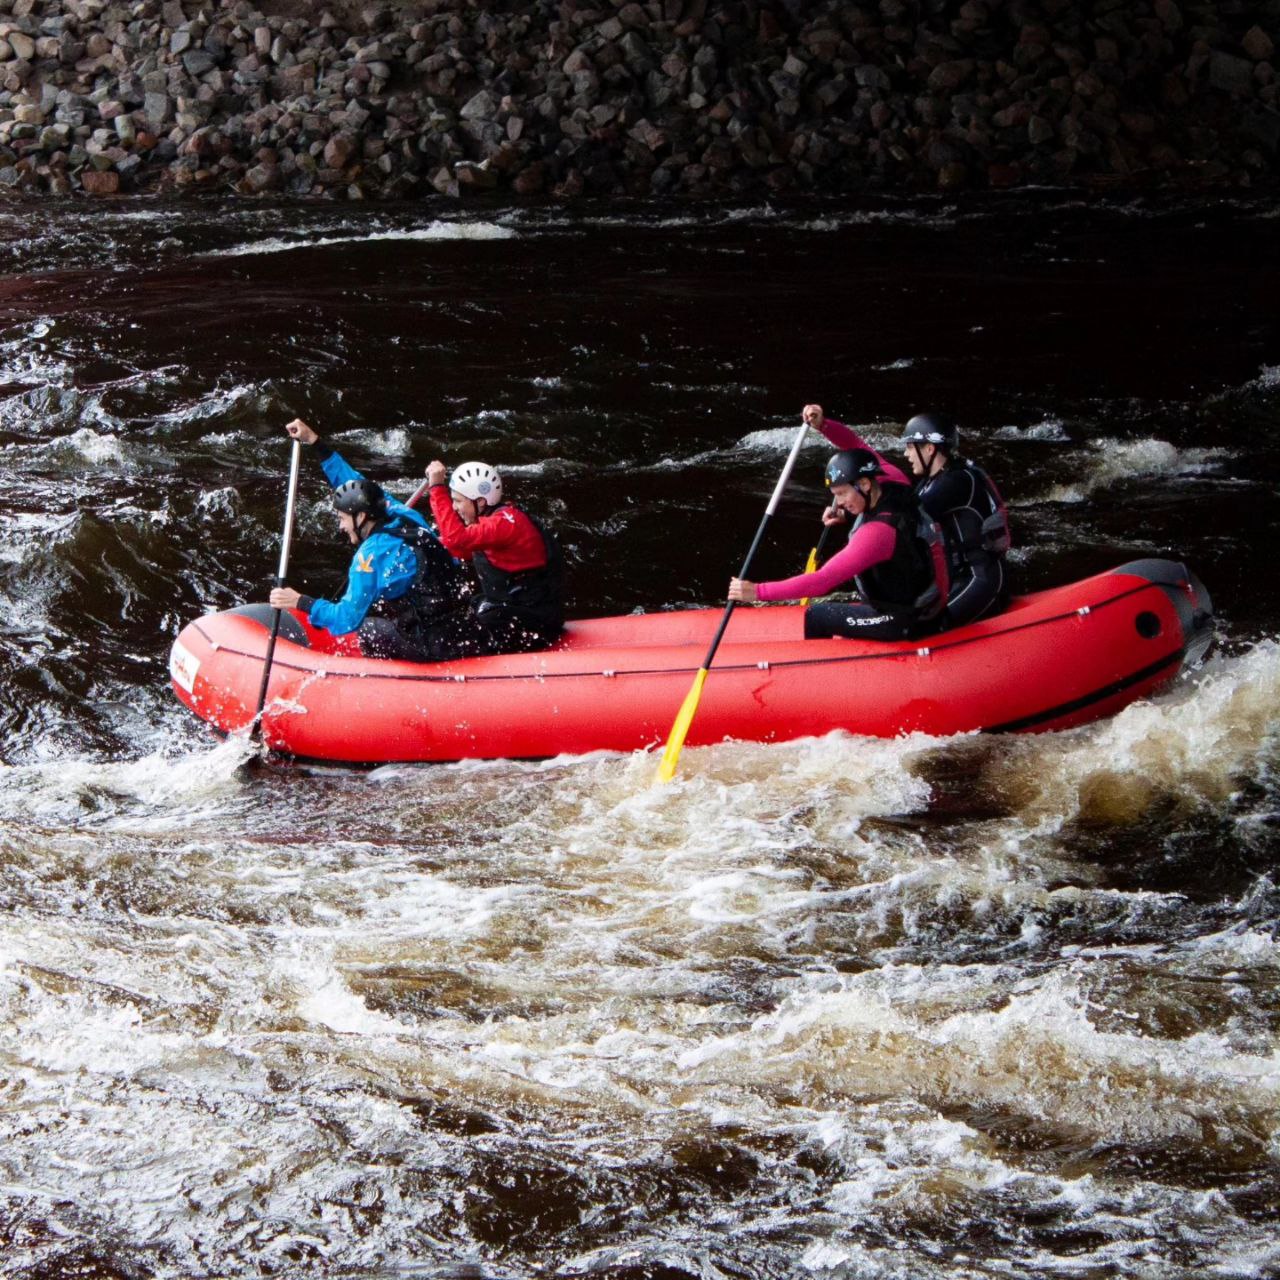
(809,566)
(680,729)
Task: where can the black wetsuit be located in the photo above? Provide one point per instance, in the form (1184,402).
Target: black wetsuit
(968,507)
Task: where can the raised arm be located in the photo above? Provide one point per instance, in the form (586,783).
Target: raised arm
(844,437)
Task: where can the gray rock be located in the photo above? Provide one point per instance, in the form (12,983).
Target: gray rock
(483,106)
(1229,73)
(158,107)
(23,46)
(198,61)
(636,52)
(871,77)
(180,42)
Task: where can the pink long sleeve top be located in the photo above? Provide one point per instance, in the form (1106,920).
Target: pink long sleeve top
(872,543)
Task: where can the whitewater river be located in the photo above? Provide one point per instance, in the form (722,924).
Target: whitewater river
(837,1008)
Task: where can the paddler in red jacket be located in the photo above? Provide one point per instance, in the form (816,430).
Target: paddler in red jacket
(520,606)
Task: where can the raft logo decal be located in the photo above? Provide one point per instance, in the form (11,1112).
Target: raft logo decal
(364,564)
(183,666)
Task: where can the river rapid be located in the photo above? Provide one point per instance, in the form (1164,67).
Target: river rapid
(837,1008)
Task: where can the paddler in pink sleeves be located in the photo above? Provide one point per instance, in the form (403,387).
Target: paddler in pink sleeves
(895,557)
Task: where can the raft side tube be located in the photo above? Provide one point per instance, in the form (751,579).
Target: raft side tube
(1189,598)
(290,628)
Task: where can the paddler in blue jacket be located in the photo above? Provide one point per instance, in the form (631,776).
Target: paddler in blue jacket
(404,590)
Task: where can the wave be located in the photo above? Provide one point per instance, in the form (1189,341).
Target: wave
(1113,461)
(1048,429)
(435,232)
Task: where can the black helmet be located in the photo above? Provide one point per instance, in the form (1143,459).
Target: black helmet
(932,428)
(361,496)
(850,465)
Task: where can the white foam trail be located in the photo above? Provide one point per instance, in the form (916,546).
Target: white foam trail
(165,786)
(101,450)
(218,504)
(780,439)
(1048,429)
(393,442)
(216,404)
(1116,460)
(435,232)
(1195,742)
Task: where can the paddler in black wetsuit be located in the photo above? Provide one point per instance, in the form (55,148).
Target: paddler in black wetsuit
(961,497)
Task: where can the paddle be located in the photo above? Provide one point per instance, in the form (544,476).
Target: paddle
(689,708)
(285,539)
(816,554)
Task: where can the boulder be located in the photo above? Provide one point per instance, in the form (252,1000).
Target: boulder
(1257,44)
(105,182)
(1229,73)
(340,149)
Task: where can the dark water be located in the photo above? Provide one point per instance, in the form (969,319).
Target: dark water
(836,1008)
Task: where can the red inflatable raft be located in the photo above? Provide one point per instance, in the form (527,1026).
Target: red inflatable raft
(1052,660)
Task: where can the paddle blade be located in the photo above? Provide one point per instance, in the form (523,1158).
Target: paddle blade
(809,566)
(680,728)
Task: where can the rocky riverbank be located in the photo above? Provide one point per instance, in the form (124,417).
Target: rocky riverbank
(395,100)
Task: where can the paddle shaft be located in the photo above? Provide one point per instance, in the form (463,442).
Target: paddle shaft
(286,541)
(755,542)
(689,708)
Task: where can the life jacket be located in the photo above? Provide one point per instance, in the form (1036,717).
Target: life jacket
(915,579)
(979,530)
(534,595)
(440,585)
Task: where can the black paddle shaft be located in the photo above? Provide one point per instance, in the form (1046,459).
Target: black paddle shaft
(286,538)
(751,554)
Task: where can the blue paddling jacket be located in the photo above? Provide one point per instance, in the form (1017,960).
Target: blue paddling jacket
(385,565)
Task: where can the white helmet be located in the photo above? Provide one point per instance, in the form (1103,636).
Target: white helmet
(476,480)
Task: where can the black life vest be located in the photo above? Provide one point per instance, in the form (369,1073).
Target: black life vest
(915,579)
(536,596)
(440,585)
(979,530)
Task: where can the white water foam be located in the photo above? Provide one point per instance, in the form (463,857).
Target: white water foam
(1195,742)
(101,450)
(437,231)
(393,442)
(1047,429)
(780,439)
(163,787)
(1112,461)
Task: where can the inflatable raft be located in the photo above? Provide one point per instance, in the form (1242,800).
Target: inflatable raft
(1054,659)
